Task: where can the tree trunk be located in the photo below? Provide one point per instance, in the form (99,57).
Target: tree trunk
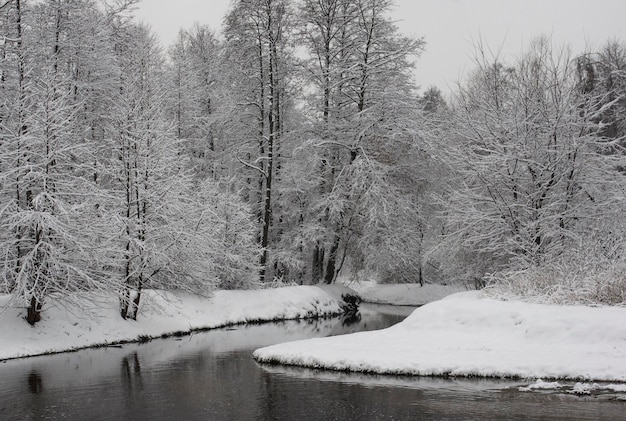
(135,306)
(329,277)
(124,301)
(34,311)
(317,269)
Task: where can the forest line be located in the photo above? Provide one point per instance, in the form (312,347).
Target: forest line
(292,147)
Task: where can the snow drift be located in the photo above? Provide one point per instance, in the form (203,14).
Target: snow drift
(467,335)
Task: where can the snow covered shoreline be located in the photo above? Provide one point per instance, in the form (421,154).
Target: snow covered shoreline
(163,314)
(467,335)
(402,294)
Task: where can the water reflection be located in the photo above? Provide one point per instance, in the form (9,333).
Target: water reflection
(35,382)
(369,396)
(131,372)
(212,376)
(351,319)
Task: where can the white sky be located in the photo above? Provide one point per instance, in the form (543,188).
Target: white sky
(450,27)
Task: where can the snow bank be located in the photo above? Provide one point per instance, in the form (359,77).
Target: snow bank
(162,314)
(466,335)
(402,294)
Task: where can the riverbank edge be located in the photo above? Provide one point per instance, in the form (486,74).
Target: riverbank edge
(444,339)
(413,295)
(445,375)
(175,334)
(311,302)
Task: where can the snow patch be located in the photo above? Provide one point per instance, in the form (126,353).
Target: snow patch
(402,294)
(540,385)
(588,388)
(468,335)
(579,388)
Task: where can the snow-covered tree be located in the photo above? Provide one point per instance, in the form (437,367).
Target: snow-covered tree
(257,46)
(603,74)
(194,74)
(531,172)
(363,114)
(171,235)
(50,215)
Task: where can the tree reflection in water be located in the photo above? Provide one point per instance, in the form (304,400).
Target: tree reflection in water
(35,382)
(131,372)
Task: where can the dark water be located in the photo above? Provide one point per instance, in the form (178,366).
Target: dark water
(211,376)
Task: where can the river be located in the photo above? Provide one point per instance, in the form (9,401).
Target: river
(212,376)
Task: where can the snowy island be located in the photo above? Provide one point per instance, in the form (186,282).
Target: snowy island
(469,335)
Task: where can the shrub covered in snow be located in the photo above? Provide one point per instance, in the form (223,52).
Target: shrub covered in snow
(584,276)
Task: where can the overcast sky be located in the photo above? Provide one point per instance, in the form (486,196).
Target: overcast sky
(450,27)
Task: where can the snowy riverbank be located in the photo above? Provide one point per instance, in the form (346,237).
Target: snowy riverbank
(162,314)
(402,294)
(467,335)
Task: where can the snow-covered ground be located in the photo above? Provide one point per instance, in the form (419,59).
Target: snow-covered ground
(161,314)
(401,294)
(469,335)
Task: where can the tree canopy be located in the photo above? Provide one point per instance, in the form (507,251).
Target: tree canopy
(294,146)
